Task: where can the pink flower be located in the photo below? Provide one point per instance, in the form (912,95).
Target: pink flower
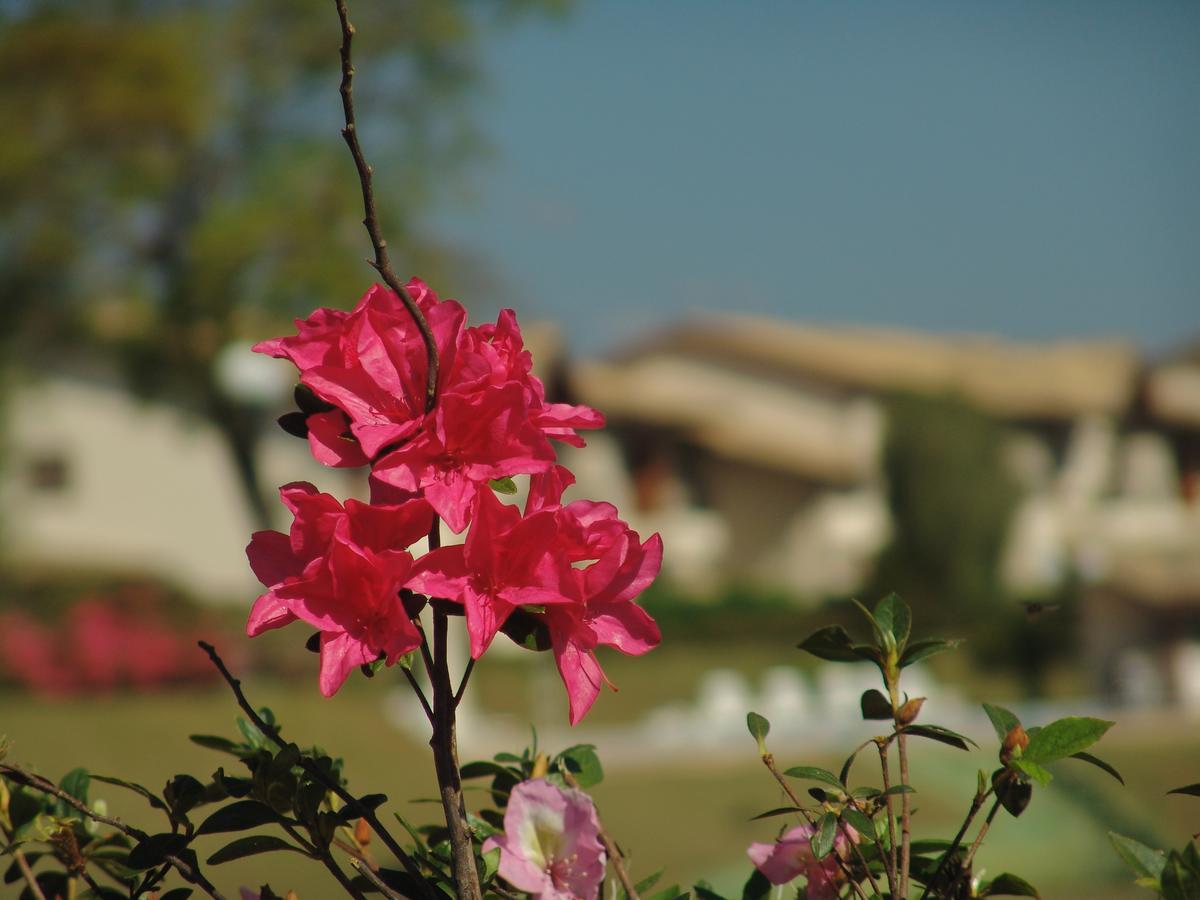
(792,855)
(469,440)
(507,561)
(551,842)
(340,570)
(371,364)
(621,568)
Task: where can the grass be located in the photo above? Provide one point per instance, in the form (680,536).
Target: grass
(689,815)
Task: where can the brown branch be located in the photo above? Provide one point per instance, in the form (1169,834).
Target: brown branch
(382,263)
(905,817)
(614,852)
(976,805)
(890,861)
(445,761)
(330,783)
(27,872)
(769,761)
(420,693)
(987,823)
(462,685)
(38,783)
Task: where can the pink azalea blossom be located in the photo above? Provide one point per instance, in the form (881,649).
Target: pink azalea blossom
(792,855)
(621,567)
(551,842)
(470,439)
(508,560)
(340,570)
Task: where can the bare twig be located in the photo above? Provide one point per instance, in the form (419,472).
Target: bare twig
(445,760)
(769,761)
(330,783)
(382,263)
(462,685)
(38,783)
(987,823)
(976,805)
(27,873)
(881,745)
(905,817)
(420,693)
(614,852)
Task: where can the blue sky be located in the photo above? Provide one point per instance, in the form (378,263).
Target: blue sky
(1023,168)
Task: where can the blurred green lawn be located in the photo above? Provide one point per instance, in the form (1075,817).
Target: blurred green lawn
(689,815)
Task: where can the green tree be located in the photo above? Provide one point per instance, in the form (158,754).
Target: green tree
(951,501)
(172,178)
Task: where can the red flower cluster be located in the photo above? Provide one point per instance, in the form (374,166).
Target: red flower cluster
(574,568)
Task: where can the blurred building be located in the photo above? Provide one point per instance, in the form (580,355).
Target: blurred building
(755,447)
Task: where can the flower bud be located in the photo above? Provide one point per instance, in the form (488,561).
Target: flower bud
(362,832)
(909,711)
(541,765)
(1015,742)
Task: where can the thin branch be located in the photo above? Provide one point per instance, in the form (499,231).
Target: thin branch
(382,263)
(462,685)
(38,783)
(331,784)
(445,760)
(769,761)
(420,693)
(890,860)
(905,817)
(614,852)
(336,871)
(976,805)
(987,823)
(858,851)
(27,872)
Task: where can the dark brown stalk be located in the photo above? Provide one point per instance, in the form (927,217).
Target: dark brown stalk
(987,823)
(976,805)
(445,760)
(38,783)
(615,857)
(769,761)
(382,263)
(331,784)
(27,873)
(881,744)
(905,817)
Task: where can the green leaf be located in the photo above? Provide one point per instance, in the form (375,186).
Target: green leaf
(919,650)
(1014,794)
(940,734)
(844,774)
(648,882)
(861,822)
(150,796)
(1009,885)
(1190,789)
(704,891)
(1064,738)
(1098,763)
(1178,880)
(899,789)
(503,485)
(76,783)
(154,849)
(1002,720)
(881,634)
(582,762)
(179,893)
(759,729)
(213,742)
(833,644)
(251,846)
(778,811)
(815,774)
(183,793)
(822,841)
(238,817)
(875,705)
(491,864)
(756,887)
(893,615)
(1032,770)
(1146,862)
(927,847)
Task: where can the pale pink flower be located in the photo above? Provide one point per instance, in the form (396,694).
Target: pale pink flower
(792,855)
(551,842)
